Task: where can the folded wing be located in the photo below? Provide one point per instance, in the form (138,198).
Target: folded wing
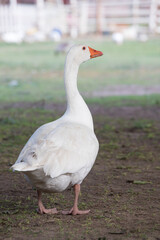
(67,149)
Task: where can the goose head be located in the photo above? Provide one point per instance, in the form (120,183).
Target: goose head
(82,53)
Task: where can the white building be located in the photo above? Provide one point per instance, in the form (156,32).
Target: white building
(75,17)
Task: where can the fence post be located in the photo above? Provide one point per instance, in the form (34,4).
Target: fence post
(83,18)
(40,15)
(99,16)
(13,15)
(74,19)
(135,12)
(153,17)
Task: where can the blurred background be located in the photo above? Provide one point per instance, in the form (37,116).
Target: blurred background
(122,89)
(31,20)
(36,34)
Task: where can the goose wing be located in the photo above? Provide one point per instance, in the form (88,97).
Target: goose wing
(67,149)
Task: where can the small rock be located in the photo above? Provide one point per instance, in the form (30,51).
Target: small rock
(13,83)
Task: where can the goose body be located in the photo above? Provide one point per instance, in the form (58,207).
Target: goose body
(58,155)
(61,153)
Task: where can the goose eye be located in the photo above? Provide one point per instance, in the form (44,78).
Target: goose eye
(84,48)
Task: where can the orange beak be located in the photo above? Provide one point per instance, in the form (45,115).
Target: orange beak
(94,53)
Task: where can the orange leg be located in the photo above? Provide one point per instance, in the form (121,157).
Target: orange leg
(74,210)
(42,209)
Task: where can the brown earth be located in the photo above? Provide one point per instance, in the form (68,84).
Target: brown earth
(122,190)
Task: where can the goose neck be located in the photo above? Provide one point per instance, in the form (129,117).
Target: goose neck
(70,77)
(77,109)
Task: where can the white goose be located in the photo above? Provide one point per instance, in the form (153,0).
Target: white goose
(61,153)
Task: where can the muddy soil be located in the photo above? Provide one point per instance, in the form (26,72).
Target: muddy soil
(122,190)
(124,90)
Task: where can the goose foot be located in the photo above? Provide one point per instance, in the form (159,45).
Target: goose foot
(42,209)
(75,210)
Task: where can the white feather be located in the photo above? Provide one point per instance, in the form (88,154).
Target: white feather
(61,153)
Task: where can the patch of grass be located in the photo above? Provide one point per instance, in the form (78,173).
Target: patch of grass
(141,182)
(142,124)
(39,72)
(146,100)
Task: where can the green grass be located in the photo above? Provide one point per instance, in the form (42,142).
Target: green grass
(39,71)
(146,100)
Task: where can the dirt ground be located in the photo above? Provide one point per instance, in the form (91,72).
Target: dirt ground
(122,190)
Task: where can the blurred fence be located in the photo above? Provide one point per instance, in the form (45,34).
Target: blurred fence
(82,17)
